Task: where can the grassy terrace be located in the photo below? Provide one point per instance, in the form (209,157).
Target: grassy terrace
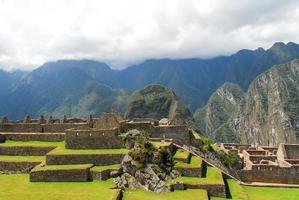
(61,167)
(214,176)
(18,187)
(105,167)
(161,144)
(195,162)
(181,154)
(10,143)
(177,195)
(22,158)
(62,150)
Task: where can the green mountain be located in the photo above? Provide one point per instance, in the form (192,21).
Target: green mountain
(268,113)
(64,88)
(219,108)
(157,102)
(56,87)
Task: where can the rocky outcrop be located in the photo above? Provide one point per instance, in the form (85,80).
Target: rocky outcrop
(269,115)
(157,102)
(145,166)
(269,112)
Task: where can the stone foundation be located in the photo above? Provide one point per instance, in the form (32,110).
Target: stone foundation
(17,166)
(49,137)
(25,150)
(96,159)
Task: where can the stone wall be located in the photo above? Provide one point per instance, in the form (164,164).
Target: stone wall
(25,150)
(217,190)
(66,175)
(21,127)
(62,127)
(40,128)
(271,174)
(191,172)
(92,139)
(179,134)
(17,166)
(50,137)
(96,159)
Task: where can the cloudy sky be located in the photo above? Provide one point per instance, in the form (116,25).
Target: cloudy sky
(124,32)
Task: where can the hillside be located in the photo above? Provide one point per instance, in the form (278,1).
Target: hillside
(64,88)
(157,102)
(219,108)
(268,114)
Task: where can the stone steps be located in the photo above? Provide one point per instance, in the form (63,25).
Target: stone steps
(61,173)
(192,169)
(104,172)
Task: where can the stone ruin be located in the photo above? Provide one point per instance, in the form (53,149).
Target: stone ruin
(267,164)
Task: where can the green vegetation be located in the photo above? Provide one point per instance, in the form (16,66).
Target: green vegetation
(177,195)
(213,176)
(157,102)
(61,167)
(219,108)
(62,150)
(230,159)
(18,187)
(195,162)
(105,167)
(181,155)
(261,193)
(22,158)
(31,143)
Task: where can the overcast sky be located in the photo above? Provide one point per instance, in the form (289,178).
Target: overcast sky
(124,32)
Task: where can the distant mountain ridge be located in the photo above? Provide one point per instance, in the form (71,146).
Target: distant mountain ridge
(57,85)
(268,114)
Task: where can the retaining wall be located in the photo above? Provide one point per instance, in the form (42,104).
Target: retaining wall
(66,175)
(96,159)
(25,150)
(50,137)
(17,166)
(92,139)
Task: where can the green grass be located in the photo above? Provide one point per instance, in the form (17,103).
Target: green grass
(105,167)
(10,143)
(261,193)
(161,144)
(195,162)
(214,176)
(61,167)
(22,158)
(181,154)
(18,187)
(177,195)
(62,150)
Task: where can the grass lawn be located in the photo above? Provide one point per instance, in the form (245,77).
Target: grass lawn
(261,193)
(61,167)
(22,158)
(31,143)
(177,195)
(214,176)
(62,150)
(181,154)
(161,144)
(195,162)
(18,187)
(105,167)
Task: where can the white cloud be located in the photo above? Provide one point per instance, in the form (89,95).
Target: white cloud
(124,32)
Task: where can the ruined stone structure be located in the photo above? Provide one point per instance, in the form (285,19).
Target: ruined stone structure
(267,164)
